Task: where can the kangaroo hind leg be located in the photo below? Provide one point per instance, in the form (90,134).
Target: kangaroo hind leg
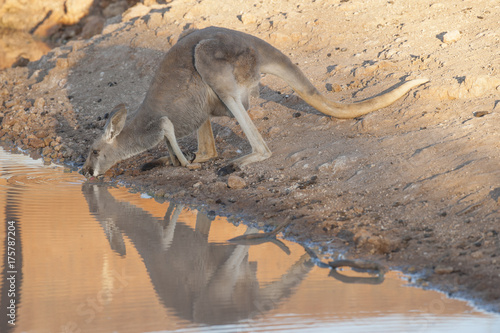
(231,69)
(206,143)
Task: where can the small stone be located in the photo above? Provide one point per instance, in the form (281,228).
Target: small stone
(477,254)
(37,143)
(236,182)
(39,103)
(197,185)
(248,18)
(480,113)
(220,186)
(443,270)
(451,36)
(194,166)
(41,134)
(11,103)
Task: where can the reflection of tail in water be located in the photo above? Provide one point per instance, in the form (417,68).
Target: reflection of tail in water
(203,282)
(265,237)
(358,265)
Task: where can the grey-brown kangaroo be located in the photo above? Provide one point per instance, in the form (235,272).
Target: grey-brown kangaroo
(209,73)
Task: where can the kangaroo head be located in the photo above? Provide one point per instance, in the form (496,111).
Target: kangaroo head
(106,151)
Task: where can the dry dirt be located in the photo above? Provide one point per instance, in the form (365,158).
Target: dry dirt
(415,186)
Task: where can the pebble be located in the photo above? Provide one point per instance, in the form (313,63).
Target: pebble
(39,103)
(11,103)
(443,270)
(248,18)
(194,166)
(480,113)
(220,186)
(477,255)
(236,182)
(452,36)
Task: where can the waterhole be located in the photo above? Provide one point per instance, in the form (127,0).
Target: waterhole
(82,257)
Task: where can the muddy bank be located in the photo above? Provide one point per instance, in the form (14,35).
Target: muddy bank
(415,185)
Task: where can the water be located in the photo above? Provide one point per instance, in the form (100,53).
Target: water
(88,258)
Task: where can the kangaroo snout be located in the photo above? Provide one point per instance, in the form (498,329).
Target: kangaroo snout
(87,171)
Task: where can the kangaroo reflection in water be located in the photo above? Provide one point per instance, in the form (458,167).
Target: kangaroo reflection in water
(210,283)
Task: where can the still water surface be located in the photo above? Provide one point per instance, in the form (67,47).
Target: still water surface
(91,258)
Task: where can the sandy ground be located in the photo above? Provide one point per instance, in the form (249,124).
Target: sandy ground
(415,186)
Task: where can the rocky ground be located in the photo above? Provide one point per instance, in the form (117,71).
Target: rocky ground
(415,186)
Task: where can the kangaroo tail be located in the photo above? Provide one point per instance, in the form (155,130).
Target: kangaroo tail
(276,63)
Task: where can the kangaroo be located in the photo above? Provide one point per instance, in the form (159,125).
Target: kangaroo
(209,73)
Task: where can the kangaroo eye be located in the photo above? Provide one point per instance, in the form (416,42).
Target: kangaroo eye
(95,152)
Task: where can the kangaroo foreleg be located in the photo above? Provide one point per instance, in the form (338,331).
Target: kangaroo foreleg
(173,146)
(163,161)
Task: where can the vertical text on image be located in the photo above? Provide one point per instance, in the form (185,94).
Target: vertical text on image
(11,271)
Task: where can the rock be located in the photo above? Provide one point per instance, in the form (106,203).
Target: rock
(39,103)
(440,269)
(11,103)
(248,18)
(477,255)
(479,114)
(220,186)
(335,87)
(236,182)
(375,244)
(41,134)
(194,166)
(451,37)
(42,16)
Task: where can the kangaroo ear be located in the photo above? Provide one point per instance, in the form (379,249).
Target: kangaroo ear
(115,123)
